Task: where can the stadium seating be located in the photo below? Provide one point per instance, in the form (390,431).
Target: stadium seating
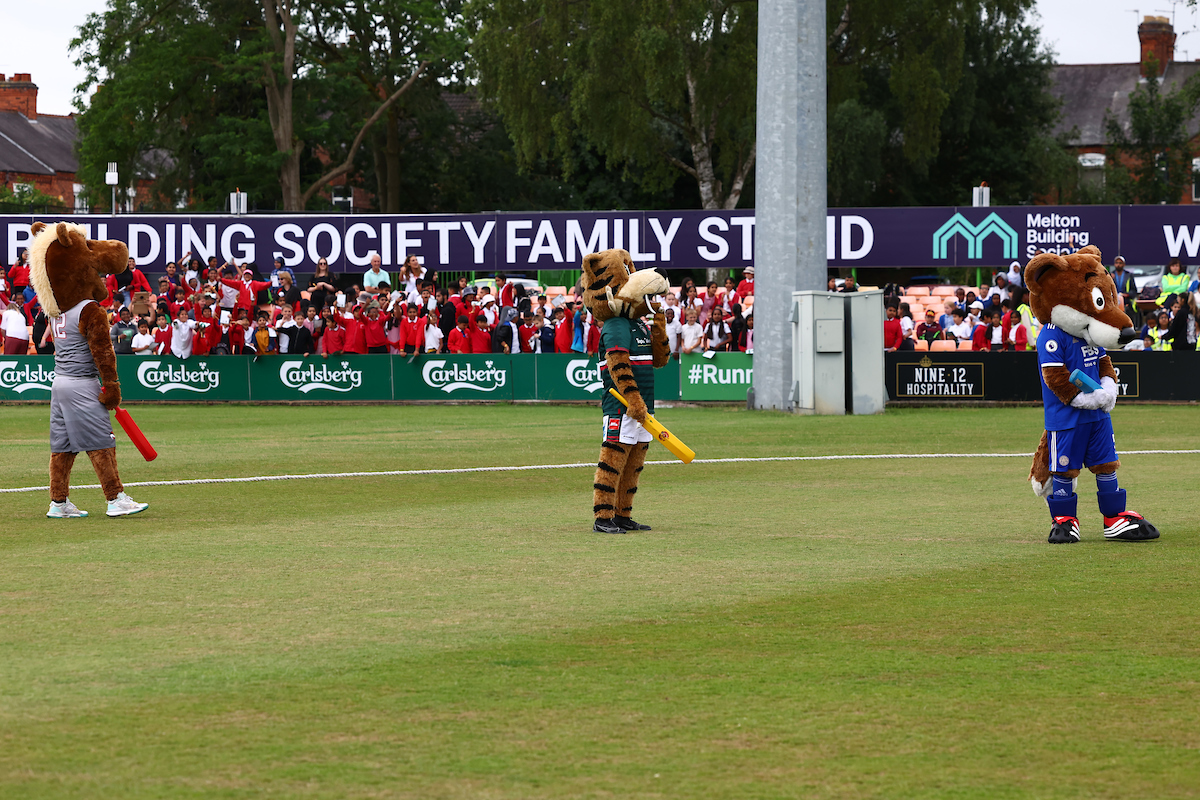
(943,346)
(921,344)
(917,291)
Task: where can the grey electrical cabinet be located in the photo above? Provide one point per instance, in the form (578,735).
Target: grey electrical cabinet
(819,353)
(837,351)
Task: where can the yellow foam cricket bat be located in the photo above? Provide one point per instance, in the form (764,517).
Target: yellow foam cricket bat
(672,443)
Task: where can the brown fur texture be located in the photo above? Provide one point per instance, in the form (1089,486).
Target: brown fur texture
(613,287)
(630,477)
(105,463)
(609,473)
(67,268)
(60,475)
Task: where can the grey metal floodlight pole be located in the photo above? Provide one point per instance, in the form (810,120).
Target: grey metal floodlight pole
(789,237)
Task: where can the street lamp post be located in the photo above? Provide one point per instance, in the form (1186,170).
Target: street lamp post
(110,178)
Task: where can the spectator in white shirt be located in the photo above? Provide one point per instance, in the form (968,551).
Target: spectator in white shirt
(182,332)
(674,328)
(959,329)
(692,332)
(143,340)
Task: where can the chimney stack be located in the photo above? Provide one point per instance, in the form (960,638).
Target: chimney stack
(1157,38)
(19,94)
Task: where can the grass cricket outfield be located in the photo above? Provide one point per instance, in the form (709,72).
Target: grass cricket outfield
(813,629)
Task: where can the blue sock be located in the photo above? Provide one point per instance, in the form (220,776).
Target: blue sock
(1063,501)
(1109,495)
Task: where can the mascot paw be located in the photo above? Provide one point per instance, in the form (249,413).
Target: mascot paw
(1041,489)
(1110,394)
(637,409)
(110,396)
(1089,400)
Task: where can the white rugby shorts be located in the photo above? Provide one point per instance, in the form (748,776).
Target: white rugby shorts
(624,429)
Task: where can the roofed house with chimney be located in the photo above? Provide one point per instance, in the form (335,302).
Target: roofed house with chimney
(36,150)
(1090,92)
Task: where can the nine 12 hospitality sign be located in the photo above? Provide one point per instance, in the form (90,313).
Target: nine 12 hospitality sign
(855,237)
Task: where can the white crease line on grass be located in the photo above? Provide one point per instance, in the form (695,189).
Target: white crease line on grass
(462,470)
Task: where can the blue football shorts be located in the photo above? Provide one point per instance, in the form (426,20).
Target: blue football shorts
(1087,444)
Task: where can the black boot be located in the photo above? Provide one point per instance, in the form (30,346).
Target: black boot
(602,525)
(626,524)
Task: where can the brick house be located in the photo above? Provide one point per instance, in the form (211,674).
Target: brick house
(36,150)
(1090,91)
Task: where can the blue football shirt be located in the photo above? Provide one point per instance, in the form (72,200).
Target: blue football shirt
(1056,347)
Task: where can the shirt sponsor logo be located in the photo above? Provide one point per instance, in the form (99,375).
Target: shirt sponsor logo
(163,379)
(21,378)
(463,376)
(305,377)
(583,374)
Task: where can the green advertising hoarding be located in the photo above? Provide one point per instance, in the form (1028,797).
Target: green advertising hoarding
(201,379)
(363,378)
(567,376)
(724,376)
(344,377)
(453,377)
(26,377)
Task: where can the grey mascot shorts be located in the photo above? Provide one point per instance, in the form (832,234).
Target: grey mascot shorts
(78,422)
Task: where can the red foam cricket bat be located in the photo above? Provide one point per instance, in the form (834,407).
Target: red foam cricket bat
(135,435)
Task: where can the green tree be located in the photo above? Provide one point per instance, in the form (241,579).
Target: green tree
(930,97)
(1151,161)
(655,88)
(201,96)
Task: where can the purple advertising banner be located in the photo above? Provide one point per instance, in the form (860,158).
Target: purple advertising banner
(921,237)
(475,242)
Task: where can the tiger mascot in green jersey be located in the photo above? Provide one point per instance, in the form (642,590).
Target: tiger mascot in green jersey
(619,296)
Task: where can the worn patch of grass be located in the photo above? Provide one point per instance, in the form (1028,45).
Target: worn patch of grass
(800,629)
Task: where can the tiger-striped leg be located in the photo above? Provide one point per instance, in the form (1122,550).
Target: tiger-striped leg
(628,487)
(613,457)
(60,475)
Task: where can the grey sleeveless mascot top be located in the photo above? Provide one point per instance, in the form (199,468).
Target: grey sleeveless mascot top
(72,355)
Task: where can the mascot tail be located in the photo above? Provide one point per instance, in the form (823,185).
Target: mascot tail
(1039,472)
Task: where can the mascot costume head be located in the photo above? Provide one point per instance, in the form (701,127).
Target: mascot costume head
(619,295)
(67,270)
(1076,301)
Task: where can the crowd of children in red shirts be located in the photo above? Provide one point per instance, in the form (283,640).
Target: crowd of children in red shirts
(200,310)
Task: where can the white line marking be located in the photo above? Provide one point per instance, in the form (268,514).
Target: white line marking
(669,462)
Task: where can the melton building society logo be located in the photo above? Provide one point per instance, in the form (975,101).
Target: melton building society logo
(463,376)
(975,235)
(304,377)
(162,379)
(583,373)
(21,378)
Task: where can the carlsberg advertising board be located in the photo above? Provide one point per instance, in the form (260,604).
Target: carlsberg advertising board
(199,379)
(459,377)
(26,377)
(346,377)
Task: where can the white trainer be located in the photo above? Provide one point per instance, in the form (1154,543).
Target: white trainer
(64,510)
(124,504)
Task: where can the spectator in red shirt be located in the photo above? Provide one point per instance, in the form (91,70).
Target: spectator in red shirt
(333,340)
(564,328)
(247,289)
(412,331)
(527,333)
(374,332)
(18,278)
(481,335)
(136,283)
(460,337)
(746,287)
(162,335)
(892,332)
